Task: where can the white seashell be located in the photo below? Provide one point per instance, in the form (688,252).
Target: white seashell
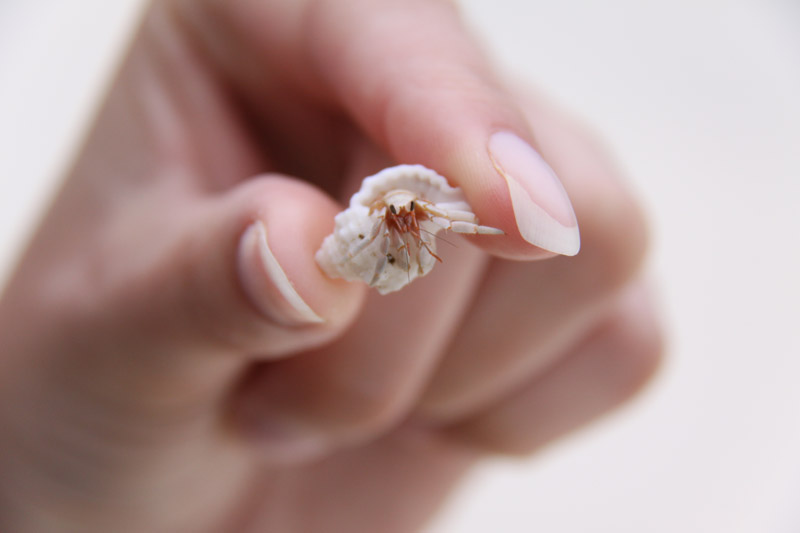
(386,238)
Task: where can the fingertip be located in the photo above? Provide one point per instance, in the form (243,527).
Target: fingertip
(271,299)
(543,213)
(265,281)
(277,265)
(513,188)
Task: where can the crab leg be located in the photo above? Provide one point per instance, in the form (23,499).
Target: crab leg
(401,244)
(382,260)
(474,229)
(461,226)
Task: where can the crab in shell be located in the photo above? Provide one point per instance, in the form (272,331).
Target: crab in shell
(387,236)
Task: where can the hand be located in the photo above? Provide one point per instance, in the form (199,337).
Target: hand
(157,376)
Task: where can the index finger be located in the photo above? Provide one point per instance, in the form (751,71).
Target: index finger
(415,80)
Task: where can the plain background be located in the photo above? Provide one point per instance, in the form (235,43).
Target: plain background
(700,102)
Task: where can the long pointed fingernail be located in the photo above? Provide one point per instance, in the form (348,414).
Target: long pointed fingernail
(544,214)
(267,284)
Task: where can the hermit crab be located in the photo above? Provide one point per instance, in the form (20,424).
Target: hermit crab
(387,237)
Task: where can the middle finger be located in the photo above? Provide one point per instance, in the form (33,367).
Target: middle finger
(525,314)
(371,376)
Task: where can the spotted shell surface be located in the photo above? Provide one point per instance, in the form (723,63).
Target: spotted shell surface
(348,253)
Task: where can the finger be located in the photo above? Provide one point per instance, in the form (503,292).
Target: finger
(412,77)
(149,317)
(417,82)
(607,367)
(526,314)
(396,483)
(192,298)
(368,379)
(157,306)
(238,275)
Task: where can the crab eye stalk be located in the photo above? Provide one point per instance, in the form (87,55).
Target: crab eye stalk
(411,206)
(392,209)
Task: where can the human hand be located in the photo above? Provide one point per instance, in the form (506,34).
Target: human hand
(155,378)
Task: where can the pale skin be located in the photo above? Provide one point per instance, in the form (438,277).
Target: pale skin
(142,389)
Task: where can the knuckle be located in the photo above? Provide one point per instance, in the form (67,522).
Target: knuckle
(487,440)
(625,354)
(363,411)
(636,359)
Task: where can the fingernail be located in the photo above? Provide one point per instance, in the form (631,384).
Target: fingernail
(544,214)
(267,284)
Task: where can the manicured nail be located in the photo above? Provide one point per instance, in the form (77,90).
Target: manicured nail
(542,209)
(267,284)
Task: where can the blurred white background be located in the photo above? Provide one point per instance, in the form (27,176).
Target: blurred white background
(701,103)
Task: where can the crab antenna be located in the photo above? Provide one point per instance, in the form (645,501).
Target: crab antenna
(439,237)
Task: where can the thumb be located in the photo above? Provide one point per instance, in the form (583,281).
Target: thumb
(243,276)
